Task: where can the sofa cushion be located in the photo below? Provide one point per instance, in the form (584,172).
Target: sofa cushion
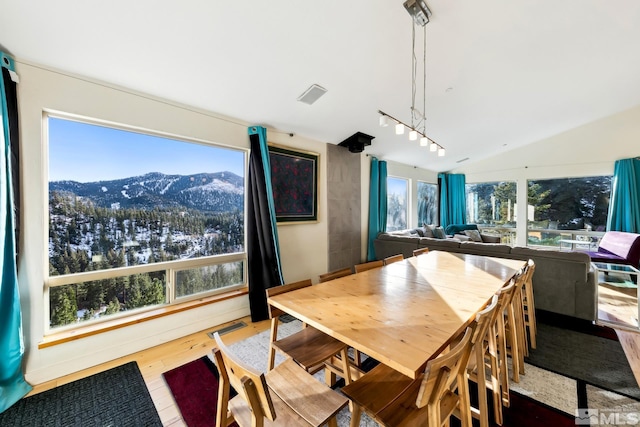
(427,230)
(459,228)
(450,245)
(618,246)
(438,233)
(473,235)
(486,249)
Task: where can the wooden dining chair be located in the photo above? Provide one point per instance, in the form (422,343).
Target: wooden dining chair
(285,396)
(335,274)
(359,268)
(393,399)
(309,347)
(515,328)
(484,364)
(392,259)
(528,305)
(420,251)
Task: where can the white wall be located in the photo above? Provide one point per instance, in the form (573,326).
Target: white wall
(41,89)
(589,150)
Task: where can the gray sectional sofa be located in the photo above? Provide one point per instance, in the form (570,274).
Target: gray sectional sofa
(564,282)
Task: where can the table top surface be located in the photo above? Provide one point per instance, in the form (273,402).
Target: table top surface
(404,313)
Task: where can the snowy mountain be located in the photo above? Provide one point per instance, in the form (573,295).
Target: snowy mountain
(212,192)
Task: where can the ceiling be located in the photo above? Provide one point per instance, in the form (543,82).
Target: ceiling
(500,74)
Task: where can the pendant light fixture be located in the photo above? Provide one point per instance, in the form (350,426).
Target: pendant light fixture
(421,14)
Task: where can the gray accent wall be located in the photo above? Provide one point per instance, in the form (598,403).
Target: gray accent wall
(343,199)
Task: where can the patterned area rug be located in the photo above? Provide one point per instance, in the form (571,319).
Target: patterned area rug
(116,397)
(540,399)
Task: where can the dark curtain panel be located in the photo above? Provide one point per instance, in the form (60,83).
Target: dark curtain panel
(262,234)
(12,383)
(11,93)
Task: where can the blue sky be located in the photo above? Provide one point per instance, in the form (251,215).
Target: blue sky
(397,186)
(85,152)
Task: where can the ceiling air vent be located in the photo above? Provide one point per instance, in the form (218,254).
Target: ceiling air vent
(312,94)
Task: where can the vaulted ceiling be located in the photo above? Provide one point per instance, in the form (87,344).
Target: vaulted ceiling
(499,74)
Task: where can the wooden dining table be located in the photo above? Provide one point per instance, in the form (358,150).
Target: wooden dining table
(404,313)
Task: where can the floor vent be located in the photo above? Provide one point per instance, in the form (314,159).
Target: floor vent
(227,329)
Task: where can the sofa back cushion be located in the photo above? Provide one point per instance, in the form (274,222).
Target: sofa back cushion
(625,245)
(459,228)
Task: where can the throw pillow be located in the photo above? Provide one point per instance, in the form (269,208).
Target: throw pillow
(438,233)
(427,230)
(474,235)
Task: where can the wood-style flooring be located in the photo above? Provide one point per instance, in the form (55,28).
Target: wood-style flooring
(154,361)
(617,308)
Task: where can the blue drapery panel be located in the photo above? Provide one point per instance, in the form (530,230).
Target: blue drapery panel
(12,384)
(624,206)
(377,203)
(263,251)
(452,199)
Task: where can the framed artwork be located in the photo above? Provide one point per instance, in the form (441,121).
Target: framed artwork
(294,178)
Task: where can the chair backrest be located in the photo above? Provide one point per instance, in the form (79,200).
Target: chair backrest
(529,270)
(250,384)
(483,319)
(277,290)
(394,258)
(359,268)
(335,274)
(420,251)
(444,370)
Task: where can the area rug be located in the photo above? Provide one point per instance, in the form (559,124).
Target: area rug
(195,389)
(116,397)
(593,359)
(525,410)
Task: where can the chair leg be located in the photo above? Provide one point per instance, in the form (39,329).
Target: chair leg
(356,412)
(463,399)
(531,315)
(513,342)
(496,385)
(481,377)
(274,337)
(503,369)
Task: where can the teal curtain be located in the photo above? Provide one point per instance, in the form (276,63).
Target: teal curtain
(263,249)
(453,209)
(377,203)
(12,384)
(624,206)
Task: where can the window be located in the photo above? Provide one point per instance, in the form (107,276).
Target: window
(492,204)
(397,196)
(558,208)
(427,203)
(138,220)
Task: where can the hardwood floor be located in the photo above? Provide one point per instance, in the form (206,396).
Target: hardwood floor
(154,361)
(614,305)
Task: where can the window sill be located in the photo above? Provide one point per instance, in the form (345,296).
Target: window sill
(110,325)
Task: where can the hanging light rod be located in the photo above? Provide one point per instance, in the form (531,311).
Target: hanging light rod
(400,125)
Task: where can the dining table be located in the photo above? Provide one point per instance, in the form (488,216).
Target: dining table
(404,313)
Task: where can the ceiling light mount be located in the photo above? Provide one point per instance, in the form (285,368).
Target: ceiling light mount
(419,10)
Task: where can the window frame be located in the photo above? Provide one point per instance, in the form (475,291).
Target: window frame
(170,268)
(437,215)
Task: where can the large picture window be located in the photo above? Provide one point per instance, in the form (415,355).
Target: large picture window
(567,209)
(427,203)
(492,204)
(397,203)
(138,220)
